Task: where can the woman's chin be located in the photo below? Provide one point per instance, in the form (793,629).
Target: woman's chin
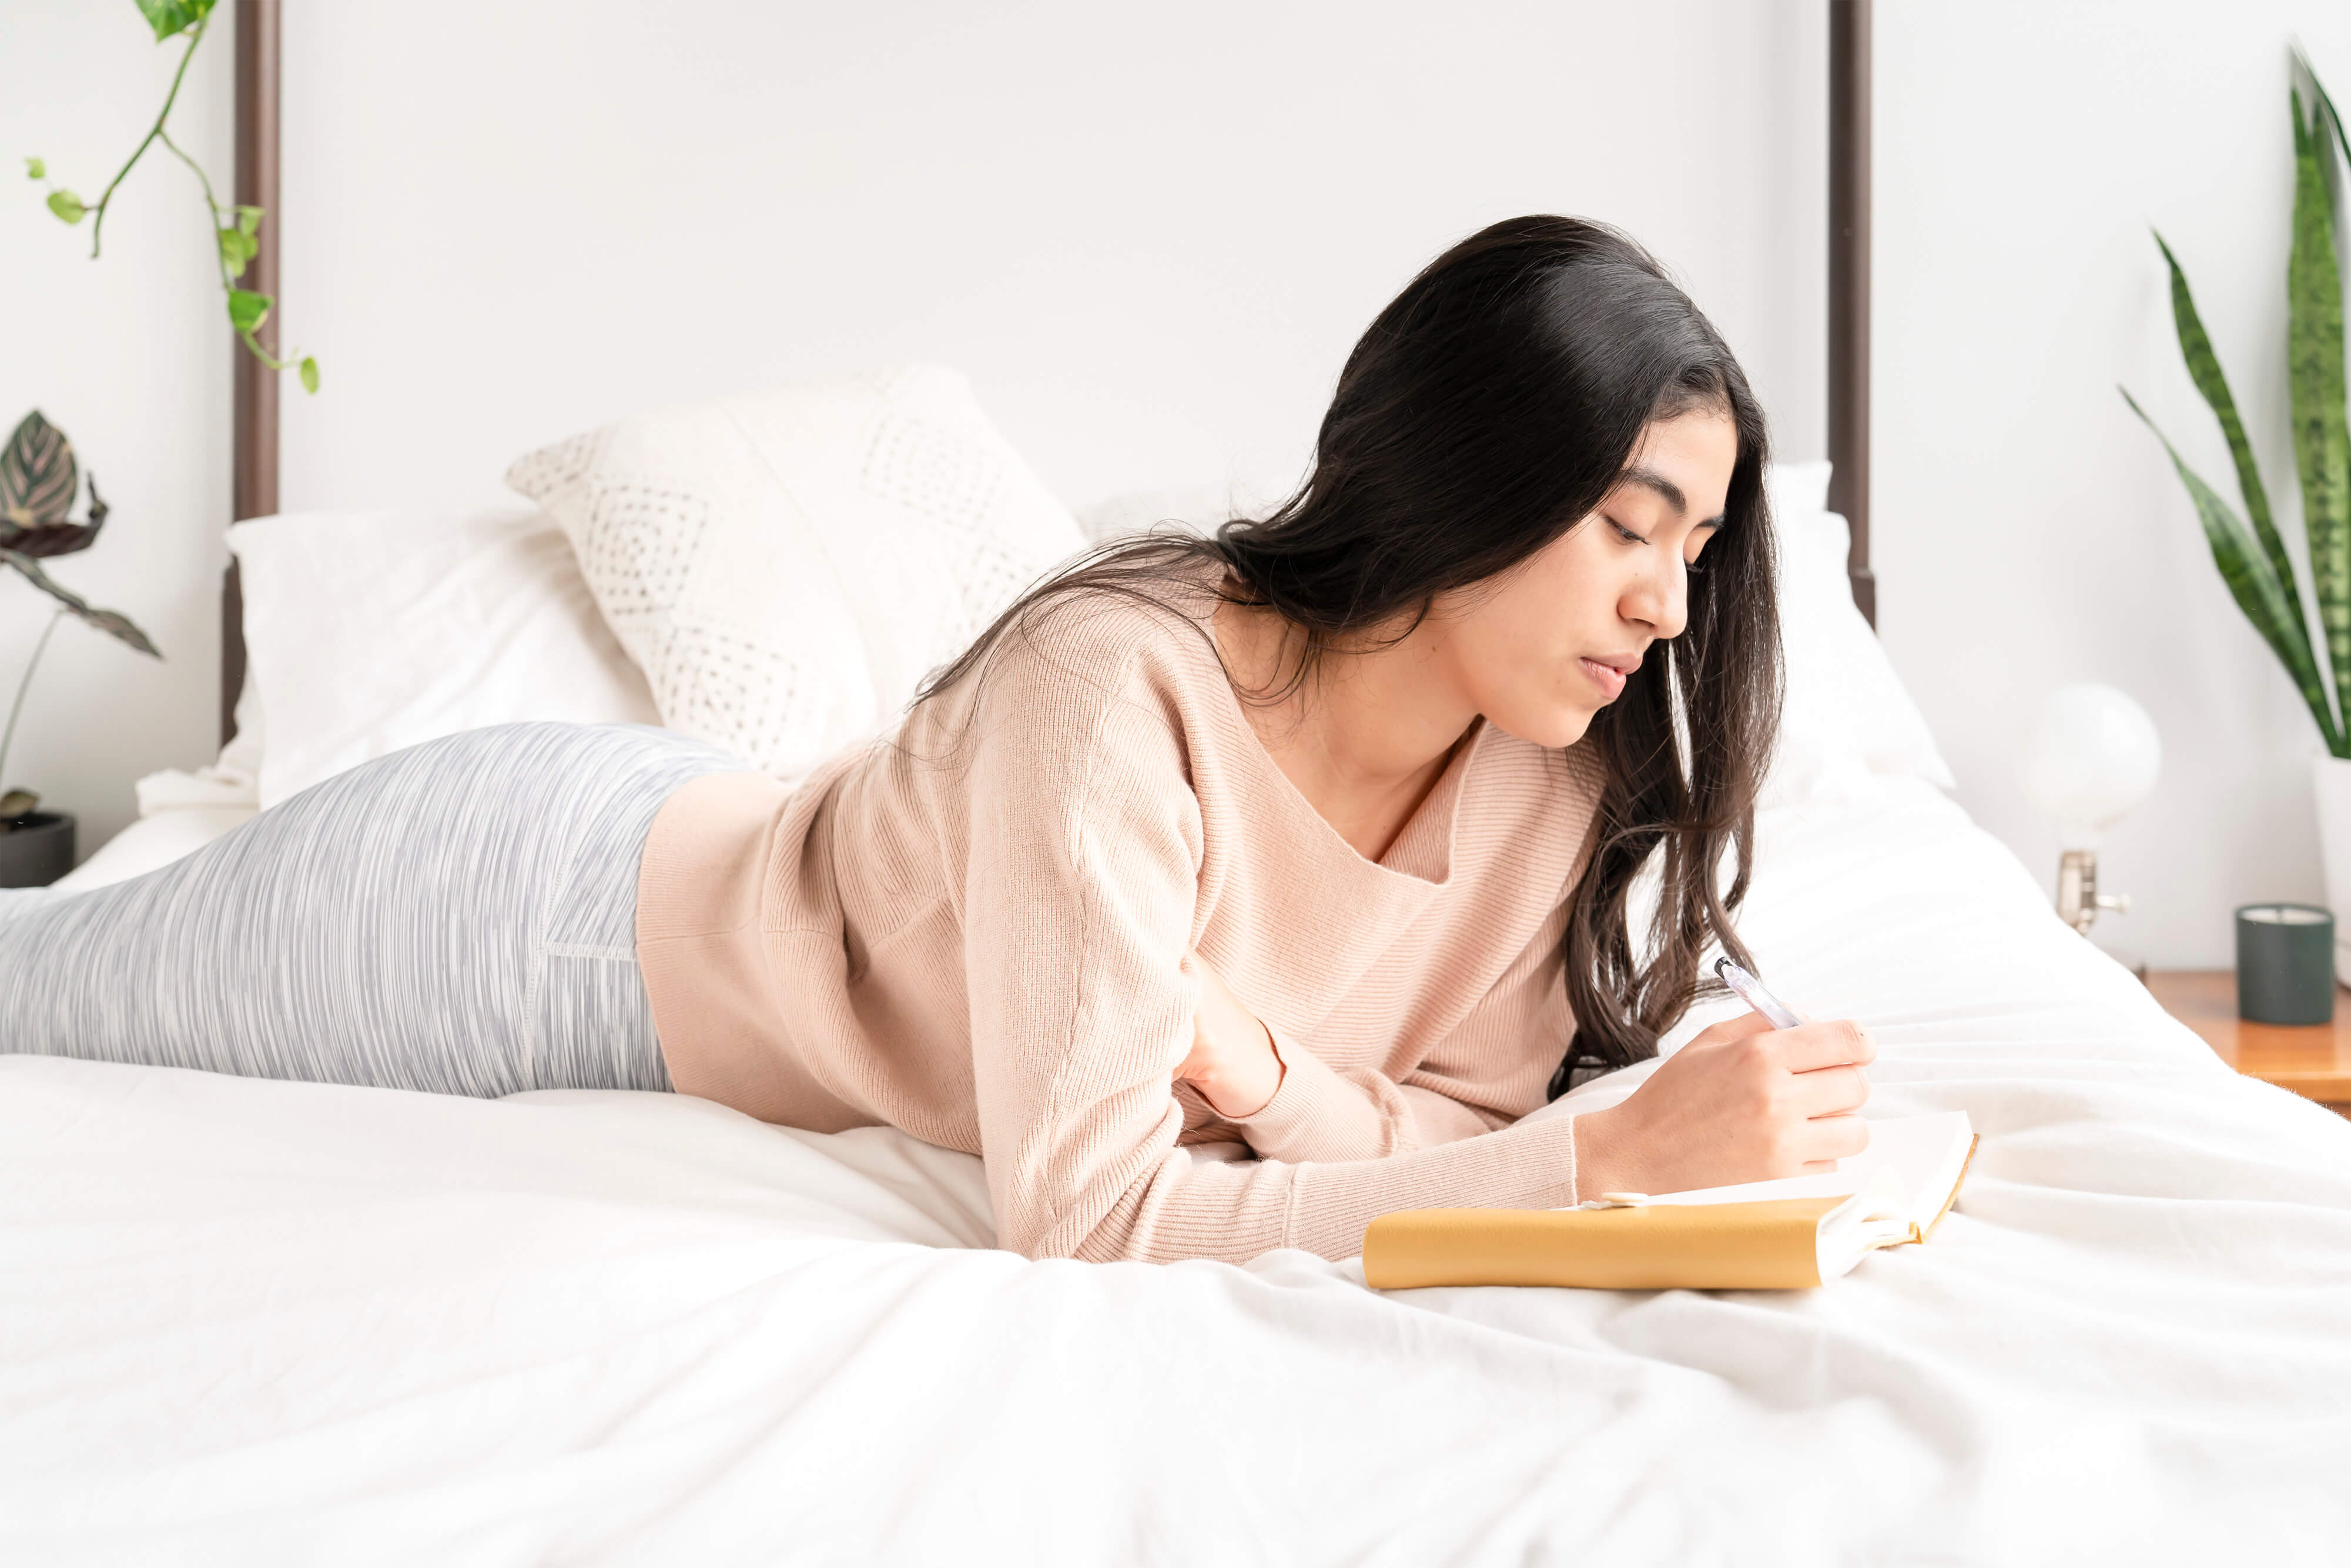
(1552,727)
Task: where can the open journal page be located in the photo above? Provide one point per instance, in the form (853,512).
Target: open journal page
(1912,1164)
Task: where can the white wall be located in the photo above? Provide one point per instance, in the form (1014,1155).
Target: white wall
(1150,235)
(129,355)
(2028,530)
(1151,239)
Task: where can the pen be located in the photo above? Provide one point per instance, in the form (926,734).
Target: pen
(1750,990)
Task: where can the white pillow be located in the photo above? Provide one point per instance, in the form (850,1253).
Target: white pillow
(787,567)
(1847,717)
(369,632)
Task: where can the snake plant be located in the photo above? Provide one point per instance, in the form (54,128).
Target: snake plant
(2254,562)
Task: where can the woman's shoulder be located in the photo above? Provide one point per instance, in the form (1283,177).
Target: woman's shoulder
(1112,642)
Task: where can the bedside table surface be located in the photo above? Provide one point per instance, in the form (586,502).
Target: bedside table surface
(2314,1061)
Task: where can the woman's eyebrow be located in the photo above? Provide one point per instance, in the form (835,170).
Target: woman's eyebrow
(1666,490)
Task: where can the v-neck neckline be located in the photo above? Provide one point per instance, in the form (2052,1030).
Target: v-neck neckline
(1422,852)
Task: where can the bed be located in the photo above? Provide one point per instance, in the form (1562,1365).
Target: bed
(258,1322)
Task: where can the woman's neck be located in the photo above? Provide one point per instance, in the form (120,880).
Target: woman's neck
(1364,737)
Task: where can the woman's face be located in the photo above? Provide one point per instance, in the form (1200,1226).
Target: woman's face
(1540,649)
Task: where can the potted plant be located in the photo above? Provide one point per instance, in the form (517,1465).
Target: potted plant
(2255,563)
(39,481)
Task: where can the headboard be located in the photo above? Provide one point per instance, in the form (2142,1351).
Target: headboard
(255,427)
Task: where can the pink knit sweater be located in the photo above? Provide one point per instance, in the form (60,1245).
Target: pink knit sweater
(977,933)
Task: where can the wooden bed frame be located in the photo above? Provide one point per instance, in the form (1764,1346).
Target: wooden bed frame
(255,463)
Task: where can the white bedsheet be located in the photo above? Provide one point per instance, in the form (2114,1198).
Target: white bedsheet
(255,1323)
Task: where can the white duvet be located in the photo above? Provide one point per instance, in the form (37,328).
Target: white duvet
(254,1324)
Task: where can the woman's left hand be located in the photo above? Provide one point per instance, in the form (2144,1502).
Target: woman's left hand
(1233,1063)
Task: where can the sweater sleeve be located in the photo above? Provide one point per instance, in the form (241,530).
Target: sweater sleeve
(1078,896)
(1320,1112)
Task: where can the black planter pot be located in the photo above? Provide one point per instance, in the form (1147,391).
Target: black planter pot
(37,850)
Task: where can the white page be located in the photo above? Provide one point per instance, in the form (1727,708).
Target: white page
(1913,1160)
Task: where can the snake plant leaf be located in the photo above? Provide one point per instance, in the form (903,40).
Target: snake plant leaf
(2322,439)
(39,478)
(112,622)
(2274,612)
(171,18)
(2204,368)
(2324,104)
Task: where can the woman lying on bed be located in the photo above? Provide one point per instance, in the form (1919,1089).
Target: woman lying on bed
(1321,837)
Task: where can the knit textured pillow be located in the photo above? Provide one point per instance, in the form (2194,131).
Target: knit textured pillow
(786,567)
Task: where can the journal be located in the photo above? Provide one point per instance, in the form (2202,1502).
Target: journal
(1759,1236)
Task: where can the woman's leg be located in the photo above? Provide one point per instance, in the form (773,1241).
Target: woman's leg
(459,916)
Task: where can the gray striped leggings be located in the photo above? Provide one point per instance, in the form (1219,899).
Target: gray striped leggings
(458,917)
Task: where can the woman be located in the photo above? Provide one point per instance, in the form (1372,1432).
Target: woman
(1320,837)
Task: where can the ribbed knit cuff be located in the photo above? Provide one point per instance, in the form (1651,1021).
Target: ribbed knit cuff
(1315,1115)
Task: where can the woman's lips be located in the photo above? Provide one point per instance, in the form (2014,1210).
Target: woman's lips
(1610,672)
(1607,677)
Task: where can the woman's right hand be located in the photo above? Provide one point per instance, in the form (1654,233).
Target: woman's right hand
(1741,1102)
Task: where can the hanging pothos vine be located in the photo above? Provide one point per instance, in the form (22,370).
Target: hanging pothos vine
(235,229)
(39,479)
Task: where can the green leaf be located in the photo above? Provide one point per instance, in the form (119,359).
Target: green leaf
(2204,368)
(248,221)
(169,17)
(238,248)
(2274,615)
(112,622)
(38,476)
(66,206)
(310,373)
(2322,438)
(247,309)
(36,170)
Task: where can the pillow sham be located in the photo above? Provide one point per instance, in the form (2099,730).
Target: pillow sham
(369,631)
(1847,712)
(787,567)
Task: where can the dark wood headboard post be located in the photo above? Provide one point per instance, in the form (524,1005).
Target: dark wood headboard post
(1849,287)
(254,480)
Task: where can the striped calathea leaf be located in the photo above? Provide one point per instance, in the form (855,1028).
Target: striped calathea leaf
(39,481)
(2254,561)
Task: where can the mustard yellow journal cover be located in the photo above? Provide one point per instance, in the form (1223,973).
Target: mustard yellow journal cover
(1760,1236)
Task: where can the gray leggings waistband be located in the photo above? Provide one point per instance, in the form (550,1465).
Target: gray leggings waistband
(458,917)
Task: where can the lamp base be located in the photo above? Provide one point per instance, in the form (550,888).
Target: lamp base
(2078,898)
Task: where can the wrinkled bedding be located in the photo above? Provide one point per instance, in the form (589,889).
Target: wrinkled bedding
(258,1322)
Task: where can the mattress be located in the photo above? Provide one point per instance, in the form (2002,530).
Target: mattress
(256,1322)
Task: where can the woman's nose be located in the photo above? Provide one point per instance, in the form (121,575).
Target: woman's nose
(1659,600)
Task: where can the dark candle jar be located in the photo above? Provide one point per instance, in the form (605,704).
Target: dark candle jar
(2286,964)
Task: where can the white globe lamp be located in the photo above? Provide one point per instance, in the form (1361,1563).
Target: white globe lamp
(2090,757)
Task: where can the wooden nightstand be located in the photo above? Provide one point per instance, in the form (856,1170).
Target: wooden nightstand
(2313,1061)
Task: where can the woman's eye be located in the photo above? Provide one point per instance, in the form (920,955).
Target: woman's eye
(1627,534)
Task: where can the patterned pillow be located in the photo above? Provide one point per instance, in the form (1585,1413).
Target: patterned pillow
(786,567)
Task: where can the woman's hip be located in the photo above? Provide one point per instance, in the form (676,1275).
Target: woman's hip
(456,916)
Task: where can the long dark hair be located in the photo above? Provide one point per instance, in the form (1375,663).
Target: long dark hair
(1486,413)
